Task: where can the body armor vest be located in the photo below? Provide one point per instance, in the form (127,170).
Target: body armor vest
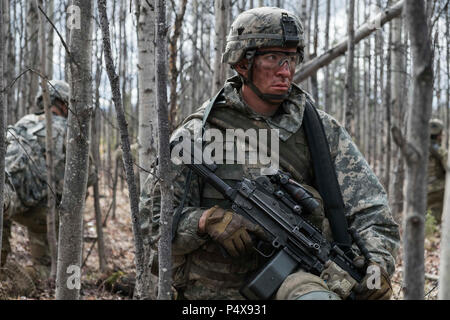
(207,264)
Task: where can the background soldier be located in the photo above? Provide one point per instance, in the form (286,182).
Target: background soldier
(437,163)
(26,186)
(264,46)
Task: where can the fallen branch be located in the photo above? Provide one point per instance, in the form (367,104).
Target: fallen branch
(310,67)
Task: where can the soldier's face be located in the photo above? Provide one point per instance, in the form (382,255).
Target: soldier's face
(269,79)
(60,109)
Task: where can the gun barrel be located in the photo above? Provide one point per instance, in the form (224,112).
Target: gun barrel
(213,180)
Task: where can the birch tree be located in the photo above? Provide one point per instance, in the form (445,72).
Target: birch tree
(398,110)
(124,139)
(415,149)
(95,146)
(447,114)
(10,59)
(221,8)
(147,134)
(173,69)
(146,73)
(68,281)
(349,97)
(444,265)
(49,150)
(327,87)
(32,60)
(165,241)
(2,125)
(314,82)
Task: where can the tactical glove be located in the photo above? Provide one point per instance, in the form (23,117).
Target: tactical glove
(231,230)
(370,288)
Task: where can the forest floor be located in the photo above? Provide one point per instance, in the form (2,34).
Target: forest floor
(120,254)
(119,246)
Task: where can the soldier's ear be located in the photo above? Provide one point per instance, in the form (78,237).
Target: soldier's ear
(242,67)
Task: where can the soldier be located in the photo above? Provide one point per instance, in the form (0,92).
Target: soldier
(264,47)
(26,182)
(437,163)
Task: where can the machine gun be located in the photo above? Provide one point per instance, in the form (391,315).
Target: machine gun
(276,204)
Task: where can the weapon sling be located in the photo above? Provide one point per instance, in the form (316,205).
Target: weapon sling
(325,176)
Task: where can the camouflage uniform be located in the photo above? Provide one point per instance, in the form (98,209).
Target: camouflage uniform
(26,186)
(25,197)
(437,163)
(200,270)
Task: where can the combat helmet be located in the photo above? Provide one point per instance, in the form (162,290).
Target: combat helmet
(262,28)
(436,126)
(57,89)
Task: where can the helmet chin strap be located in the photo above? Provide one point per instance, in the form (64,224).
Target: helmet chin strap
(269,98)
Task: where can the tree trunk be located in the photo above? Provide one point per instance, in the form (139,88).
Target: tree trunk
(10,60)
(387,164)
(349,94)
(327,89)
(366,95)
(50,6)
(379,110)
(22,53)
(221,8)
(33,58)
(314,82)
(196,63)
(125,143)
(146,73)
(147,135)
(307,69)
(95,146)
(444,264)
(51,201)
(398,111)
(165,242)
(447,119)
(173,69)
(68,282)
(2,126)
(415,149)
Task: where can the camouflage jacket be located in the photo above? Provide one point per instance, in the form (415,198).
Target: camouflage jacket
(366,205)
(25,160)
(437,163)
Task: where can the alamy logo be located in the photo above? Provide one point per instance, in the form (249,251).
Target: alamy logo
(74,280)
(235,146)
(373,281)
(74,17)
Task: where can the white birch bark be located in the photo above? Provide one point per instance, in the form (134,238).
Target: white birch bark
(2,125)
(68,281)
(165,241)
(147,135)
(51,201)
(349,93)
(221,8)
(415,150)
